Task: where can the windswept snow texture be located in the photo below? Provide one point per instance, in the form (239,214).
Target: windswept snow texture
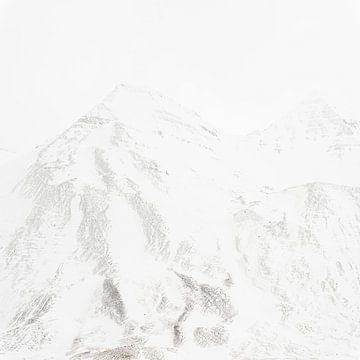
(142,233)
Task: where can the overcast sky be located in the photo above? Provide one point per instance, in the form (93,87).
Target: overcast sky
(239,63)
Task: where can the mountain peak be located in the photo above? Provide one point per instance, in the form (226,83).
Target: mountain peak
(143,108)
(313,120)
(314,109)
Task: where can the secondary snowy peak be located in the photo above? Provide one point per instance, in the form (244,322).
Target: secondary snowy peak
(312,121)
(311,144)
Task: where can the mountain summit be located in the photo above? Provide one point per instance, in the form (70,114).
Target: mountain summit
(312,143)
(312,121)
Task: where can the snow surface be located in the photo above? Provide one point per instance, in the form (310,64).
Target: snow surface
(142,233)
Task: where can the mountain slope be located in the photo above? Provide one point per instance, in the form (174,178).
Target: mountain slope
(118,240)
(302,245)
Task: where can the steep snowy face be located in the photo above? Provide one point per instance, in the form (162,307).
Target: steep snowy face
(117,236)
(311,144)
(302,245)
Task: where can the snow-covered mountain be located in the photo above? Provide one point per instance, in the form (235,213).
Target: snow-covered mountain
(117,236)
(136,234)
(313,121)
(312,143)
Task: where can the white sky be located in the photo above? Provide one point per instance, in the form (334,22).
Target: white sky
(239,63)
